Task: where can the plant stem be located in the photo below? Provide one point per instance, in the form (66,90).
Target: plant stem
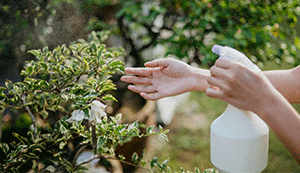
(32,118)
(94,137)
(31,115)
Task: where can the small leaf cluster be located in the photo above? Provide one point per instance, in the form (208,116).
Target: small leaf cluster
(49,146)
(77,74)
(44,147)
(155,166)
(111,134)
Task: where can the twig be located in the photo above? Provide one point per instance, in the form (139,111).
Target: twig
(94,137)
(31,115)
(113,158)
(32,118)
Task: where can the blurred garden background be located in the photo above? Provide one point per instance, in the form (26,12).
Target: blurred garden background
(268,32)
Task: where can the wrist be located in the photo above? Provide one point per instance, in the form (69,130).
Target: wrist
(199,79)
(271,106)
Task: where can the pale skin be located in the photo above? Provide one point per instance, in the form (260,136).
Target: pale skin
(268,93)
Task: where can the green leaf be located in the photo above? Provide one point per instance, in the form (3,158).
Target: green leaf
(86,112)
(165,163)
(19,149)
(143,163)
(8,84)
(35,52)
(50,168)
(36,147)
(81,168)
(119,117)
(87,67)
(153,162)
(166,131)
(100,141)
(109,97)
(67,164)
(45,66)
(21,138)
(164,136)
(91,74)
(45,49)
(34,165)
(100,50)
(62,144)
(4,147)
(44,113)
(160,128)
(211,170)
(135,157)
(149,129)
(297,42)
(121,157)
(197,170)
(63,129)
(116,64)
(169,170)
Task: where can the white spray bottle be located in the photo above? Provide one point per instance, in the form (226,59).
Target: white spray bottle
(238,139)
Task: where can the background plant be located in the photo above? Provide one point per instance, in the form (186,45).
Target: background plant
(263,30)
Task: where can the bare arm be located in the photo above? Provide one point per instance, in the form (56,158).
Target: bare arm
(284,120)
(287,82)
(168,77)
(252,91)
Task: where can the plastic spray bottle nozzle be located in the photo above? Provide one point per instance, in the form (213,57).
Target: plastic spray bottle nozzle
(216,49)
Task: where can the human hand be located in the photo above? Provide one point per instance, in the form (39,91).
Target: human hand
(162,77)
(240,87)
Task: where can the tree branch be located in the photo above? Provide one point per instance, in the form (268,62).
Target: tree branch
(133,52)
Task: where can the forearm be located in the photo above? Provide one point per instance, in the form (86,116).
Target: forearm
(284,120)
(286,82)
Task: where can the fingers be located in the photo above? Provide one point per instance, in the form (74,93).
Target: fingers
(140,89)
(159,63)
(153,97)
(218,72)
(137,80)
(148,93)
(214,92)
(139,71)
(216,82)
(223,63)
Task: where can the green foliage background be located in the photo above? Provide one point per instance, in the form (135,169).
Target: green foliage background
(266,31)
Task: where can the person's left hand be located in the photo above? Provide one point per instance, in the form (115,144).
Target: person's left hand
(239,86)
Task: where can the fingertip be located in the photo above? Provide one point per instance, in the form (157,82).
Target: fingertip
(146,96)
(128,69)
(149,64)
(130,87)
(211,91)
(125,79)
(223,63)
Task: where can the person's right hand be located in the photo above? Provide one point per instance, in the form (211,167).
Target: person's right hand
(163,78)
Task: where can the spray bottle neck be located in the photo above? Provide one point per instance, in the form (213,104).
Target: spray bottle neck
(236,114)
